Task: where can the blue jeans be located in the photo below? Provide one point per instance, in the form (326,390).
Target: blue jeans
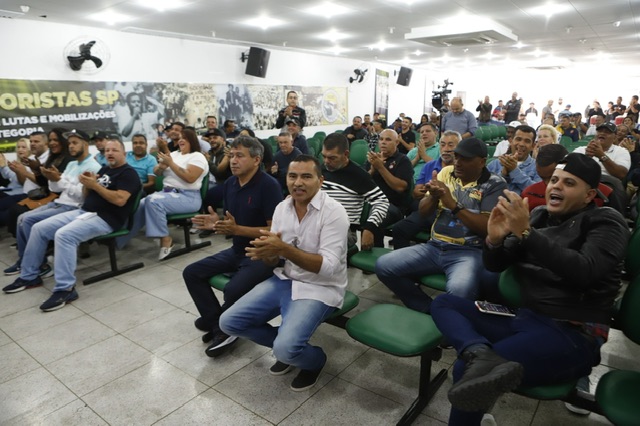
(153,210)
(30,218)
(246,274)
(550,351)
(248,318)
(401,269)
(67,231)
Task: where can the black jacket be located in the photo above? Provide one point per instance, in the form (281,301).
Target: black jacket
(568,268)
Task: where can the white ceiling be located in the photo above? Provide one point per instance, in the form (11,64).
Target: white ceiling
(579,32)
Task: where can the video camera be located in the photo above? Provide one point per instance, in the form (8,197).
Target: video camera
(439,96)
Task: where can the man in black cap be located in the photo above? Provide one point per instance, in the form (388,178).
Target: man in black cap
(99,139)
(613,159)
(462,195)
(566,257)
(299,141)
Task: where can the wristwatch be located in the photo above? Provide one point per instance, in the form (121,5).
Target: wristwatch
(604,158)
(457,209)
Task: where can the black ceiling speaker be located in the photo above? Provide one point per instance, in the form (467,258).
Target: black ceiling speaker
(404,76)
(258,62)
(75,62)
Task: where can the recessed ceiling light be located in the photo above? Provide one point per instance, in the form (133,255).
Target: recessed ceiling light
(519,45)
(549,9)
(264,22)
(616,24)
(381,45)
(162,5)
(110,17)
(333,35)
(490,55)
(417,52)
(328,9)
(337,50)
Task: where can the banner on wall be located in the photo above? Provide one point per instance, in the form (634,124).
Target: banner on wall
(128,108)
(382,94)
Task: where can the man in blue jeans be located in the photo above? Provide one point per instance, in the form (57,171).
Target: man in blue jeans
(462,195)
(250,197)
(307,241)
(566,257)
(109,197)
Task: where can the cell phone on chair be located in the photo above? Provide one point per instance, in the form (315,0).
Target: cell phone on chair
(494,308)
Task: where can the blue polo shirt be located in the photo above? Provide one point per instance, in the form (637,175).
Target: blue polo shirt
(143,167)
(252,204)
(101,159)
(427,171)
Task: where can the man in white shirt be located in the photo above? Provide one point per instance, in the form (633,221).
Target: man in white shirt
(612,159)
(307,241)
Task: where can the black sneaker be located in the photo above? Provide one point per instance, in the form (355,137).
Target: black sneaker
(58,299)
(20,284)
(306,379)
(13,269)
(83,251)
(45,271)
(486,376)
(221,342)
(205,234)
(280,368)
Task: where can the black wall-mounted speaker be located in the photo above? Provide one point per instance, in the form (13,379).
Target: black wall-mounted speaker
(258,62)
(404,76)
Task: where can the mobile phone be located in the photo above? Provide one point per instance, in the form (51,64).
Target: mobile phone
(493,308)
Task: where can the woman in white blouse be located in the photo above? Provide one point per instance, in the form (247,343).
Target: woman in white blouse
(183,171)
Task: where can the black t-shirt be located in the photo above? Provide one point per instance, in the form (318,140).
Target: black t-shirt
(408,137)
(121,178)
(400,166)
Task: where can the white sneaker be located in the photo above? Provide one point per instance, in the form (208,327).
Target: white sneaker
(164,252)
(488,420)
(194,231)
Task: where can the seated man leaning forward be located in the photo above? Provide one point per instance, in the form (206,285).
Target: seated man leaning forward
(463,195)
(566,257)
(109,198)
(307,240)
(250,197)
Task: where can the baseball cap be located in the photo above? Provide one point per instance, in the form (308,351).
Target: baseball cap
(582,167)
(471,147)
(78,133)
(608,126)
(99,135)
(514,124)
(215,132)
(293,120)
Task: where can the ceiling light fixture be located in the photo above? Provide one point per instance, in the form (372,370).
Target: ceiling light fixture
(582,40)
(162,5)
(549,9)
(337,50)
(616,24)
(333,35)
(328,9)
(519,45)
(381,46)
(417,52)
(110,17)
(264,22)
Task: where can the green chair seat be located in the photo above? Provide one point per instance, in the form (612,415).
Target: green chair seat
(219,281)
(617,394)
(395,330)
(423,236)
(181,216)
(350,302)
(435,281)
(366,260)
(114,234)
(548,392)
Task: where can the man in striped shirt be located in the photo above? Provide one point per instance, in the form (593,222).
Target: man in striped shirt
(351,186)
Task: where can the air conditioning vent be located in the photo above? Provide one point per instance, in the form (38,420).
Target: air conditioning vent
(478,33)
(7,14)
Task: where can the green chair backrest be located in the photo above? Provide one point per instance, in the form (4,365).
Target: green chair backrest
(159,181)
(134,208)
(566,142)
(502,132)
(510,288)
(632,259)
(320,136)
(358,153)
(494,131)
(358,142)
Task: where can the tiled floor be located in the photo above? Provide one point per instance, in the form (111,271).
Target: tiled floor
(126,352)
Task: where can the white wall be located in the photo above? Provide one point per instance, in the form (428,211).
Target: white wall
(34,50)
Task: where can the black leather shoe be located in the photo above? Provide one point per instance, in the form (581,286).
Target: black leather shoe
(486,376)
